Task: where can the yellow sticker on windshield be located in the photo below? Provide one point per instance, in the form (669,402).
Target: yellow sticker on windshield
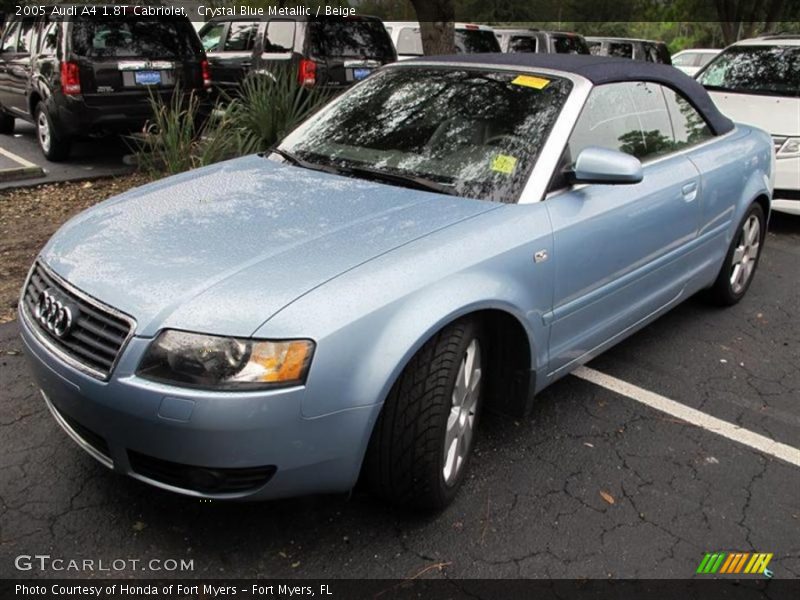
(503,163)
(538,83)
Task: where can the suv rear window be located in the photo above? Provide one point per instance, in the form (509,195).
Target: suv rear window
(133,38)
(473,41)
(351,38)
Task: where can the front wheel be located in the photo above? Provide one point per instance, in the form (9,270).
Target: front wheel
(423,439)
(741,260)
(54,146)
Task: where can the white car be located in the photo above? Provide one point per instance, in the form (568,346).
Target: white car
(470,38)
(692,60)
(757,82)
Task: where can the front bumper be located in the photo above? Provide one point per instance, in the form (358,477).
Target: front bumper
(200,443)
(786,197)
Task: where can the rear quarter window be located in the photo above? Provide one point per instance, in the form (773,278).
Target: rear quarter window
(279,36)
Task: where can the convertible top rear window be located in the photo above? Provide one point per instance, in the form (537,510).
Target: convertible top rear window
(473,133)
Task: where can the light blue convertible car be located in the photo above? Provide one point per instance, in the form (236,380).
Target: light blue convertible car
(450,236)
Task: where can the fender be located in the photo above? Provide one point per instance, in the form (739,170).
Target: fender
(389,307)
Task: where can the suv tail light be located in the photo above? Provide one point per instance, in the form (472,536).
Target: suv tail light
(307,73)
(206,71)
(70,78)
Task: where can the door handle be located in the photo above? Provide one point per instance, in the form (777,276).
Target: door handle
(689,191)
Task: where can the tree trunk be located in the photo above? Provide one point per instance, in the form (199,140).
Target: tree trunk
(436,19)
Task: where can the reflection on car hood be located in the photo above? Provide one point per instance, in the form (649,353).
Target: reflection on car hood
(221,249)
(778,115)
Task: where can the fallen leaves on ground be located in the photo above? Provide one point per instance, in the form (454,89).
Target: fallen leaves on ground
(607,497)
(29,216)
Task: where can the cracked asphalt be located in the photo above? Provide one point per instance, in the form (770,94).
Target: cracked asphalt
(593,485)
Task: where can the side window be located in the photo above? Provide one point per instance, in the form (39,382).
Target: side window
(10,38)
(620,49)
(211,36)
(629,117)
(519,43)
(651,109)
(241,37)
(409,41)
(279,36)
(688,125)
(608,120)
(48,41)
(651,53)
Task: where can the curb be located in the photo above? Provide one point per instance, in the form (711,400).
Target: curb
(15,173)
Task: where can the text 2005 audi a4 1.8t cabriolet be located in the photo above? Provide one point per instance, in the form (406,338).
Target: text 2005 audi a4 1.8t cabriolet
(451,235)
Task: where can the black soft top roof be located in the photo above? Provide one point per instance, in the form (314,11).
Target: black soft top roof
(604,69)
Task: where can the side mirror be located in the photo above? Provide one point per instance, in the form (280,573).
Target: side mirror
(601,165)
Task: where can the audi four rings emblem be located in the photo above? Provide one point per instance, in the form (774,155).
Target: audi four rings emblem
(55,313)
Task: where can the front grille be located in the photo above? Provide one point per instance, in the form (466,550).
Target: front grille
(89,436)
(207,480)
(98,333)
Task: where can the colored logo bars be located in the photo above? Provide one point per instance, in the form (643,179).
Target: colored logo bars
(734,562)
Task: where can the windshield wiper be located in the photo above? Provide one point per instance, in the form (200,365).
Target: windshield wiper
(299,162)
(412,181)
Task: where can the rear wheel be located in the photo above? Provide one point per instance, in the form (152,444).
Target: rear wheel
(422,442)
(6,123)
(742,259)
(54,145)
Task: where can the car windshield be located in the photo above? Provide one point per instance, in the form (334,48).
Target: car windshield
(352,38)
(770,70)
(470,133)
(131,37)
(475,41)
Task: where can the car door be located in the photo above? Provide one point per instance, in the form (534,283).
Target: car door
(8,53)
(620,250)
(277,45)
(18,69)
(231,57)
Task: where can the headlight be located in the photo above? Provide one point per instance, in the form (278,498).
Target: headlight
(790,148)
(215,362)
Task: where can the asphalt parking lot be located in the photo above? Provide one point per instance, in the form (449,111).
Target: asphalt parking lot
(595,484)
(100,157)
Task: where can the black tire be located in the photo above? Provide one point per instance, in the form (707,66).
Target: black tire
(57,146)
(725,292)
(405,462)
(6,123)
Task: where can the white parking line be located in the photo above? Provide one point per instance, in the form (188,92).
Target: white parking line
(15,158)
(690,415)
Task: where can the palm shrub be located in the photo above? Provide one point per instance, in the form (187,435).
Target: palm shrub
(266,108)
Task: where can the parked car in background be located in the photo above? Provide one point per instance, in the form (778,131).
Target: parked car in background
(692,60)
(469,38)
(439,240)
(326,52)
(543,42)
(82,77)
(757,81)
(635,49)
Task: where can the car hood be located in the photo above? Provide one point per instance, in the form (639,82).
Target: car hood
(222,248)
(775,115)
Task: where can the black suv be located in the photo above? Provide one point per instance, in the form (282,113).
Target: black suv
(93,76)
(326,52)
